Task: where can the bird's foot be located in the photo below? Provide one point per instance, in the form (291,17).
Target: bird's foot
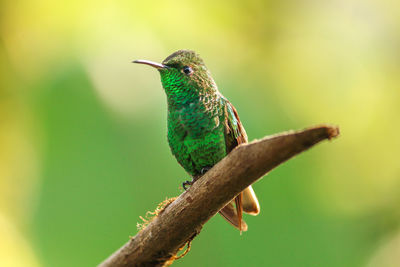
(205,169)
(186,183)
(196,177)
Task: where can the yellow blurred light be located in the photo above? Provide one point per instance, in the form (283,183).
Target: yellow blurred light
(14,249)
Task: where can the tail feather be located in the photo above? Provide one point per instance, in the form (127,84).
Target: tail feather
(229,212)
(246,202)
(250,202)
(239,208)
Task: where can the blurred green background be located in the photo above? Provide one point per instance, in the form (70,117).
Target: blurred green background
(83,131)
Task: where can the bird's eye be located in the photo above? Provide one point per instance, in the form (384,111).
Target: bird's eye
(187,70)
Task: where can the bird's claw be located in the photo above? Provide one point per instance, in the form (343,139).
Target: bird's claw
(205,169)
(186,183)
(202,172)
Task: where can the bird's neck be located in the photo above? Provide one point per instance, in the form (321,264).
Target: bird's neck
(189,100)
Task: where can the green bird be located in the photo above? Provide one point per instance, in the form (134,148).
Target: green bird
(203,126)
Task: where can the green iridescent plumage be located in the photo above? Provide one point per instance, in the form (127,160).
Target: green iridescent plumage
(203,126)
(196,113)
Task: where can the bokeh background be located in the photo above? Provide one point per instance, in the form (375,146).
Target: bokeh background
(83,149)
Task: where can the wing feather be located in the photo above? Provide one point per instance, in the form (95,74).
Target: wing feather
(246,201)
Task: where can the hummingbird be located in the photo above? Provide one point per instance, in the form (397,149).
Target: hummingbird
(203,126)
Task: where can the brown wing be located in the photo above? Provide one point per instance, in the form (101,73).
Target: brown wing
(246,201)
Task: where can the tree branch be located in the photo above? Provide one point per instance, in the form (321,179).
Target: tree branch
(158,243)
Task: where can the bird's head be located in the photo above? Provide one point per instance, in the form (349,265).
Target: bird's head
(184,73)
